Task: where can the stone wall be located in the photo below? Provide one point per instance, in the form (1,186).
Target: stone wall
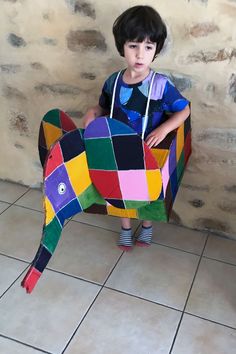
(57,53)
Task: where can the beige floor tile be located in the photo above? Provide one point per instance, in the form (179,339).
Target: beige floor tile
(46,318)
(20,232)
(10,192)
(158,273)
(119,323)
(213,294)
(104,221)
(8,346)
(197,336)
(86,251)
(10,270)
(179,237)
(32,199)
(221,248)
(3,206)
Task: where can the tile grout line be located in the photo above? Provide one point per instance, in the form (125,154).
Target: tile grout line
(207,319)
(73,276)
(100,227)
(112,270)
(9,205)
(24,344)
(175,248)
(1,296)
(12,203)
(15,258)
(81,321)
(28,208)
(219,260)
(142,298)
(21,196)
(6,208)
(83,318)
(181,318)
(113,289)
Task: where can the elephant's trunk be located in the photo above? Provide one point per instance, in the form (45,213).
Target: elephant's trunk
(51,234)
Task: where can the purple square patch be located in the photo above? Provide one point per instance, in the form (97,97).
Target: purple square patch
(97,129)
(58,188)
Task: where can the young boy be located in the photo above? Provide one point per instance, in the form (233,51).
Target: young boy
(139,36)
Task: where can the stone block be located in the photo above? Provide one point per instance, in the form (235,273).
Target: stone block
(203,29)
(10,68)
(19,123)
(59,89)
(16,41)
(85,8)
(86,40)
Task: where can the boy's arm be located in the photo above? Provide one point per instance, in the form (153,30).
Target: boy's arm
(158,134)
(93,113)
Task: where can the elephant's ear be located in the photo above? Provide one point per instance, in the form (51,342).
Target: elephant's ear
(53,126)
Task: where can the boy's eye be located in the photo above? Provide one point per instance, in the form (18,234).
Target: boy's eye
(132,46)
(149,47)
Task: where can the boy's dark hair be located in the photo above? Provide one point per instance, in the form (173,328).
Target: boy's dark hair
(138,23)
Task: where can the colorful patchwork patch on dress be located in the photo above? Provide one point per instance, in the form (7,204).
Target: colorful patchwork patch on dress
(121,165)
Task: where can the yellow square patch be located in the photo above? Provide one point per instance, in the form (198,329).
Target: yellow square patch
(122,213)
(154,181)
(49,212)
(77,169)
(180,141)
(160,156)
(52,133)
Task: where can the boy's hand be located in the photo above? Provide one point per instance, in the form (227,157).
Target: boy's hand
(92,114)
(87,120)
(156,136)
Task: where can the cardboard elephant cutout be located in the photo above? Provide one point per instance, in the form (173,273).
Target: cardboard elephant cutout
(107,169)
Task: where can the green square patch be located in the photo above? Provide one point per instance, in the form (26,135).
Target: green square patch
(155,211)
(53,117)
(51,234)
(89,197)
(134,204)
(100,154)
(180,167)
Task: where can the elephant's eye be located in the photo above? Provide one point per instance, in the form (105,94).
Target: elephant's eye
(61,188)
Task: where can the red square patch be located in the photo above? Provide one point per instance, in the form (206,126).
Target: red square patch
(107,183)
(54,160)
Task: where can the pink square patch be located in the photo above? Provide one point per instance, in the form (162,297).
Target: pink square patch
(133,185)
(165,175)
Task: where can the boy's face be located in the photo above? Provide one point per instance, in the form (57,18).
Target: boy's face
(139,55)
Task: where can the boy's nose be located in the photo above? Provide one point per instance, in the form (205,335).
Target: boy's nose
(140,53)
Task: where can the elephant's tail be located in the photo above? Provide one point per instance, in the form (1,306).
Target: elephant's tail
(53,126)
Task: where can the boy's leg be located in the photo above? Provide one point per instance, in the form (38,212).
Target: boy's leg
(125,241)
(145,237)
